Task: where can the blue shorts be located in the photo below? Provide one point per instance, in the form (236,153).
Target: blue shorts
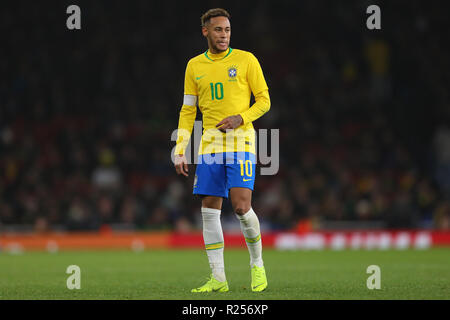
(217,173)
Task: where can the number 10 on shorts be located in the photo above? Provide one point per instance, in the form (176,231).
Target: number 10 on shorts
(247,167)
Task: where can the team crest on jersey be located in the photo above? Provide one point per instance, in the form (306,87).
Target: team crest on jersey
(232,72)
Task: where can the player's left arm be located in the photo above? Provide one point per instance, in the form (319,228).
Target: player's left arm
(259,89)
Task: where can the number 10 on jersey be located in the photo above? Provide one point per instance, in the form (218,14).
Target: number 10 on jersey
(216,90)
(247,166)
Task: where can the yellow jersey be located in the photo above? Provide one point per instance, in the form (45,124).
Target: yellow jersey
(221,85)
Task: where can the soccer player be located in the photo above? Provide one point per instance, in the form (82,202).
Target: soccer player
(220,81)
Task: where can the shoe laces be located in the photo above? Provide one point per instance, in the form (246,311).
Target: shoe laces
(259,275)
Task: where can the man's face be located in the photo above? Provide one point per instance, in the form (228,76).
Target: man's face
(218,33)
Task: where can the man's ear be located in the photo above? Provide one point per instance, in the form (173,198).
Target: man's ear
(204,31)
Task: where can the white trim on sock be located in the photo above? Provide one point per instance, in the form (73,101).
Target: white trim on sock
(210,210)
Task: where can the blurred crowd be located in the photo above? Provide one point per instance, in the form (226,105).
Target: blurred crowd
(86,116)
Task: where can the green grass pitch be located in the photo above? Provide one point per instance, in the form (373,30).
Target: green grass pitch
(170,274)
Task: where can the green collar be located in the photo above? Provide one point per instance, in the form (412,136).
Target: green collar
(229,51)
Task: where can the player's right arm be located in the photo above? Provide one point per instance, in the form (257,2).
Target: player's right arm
(186,120)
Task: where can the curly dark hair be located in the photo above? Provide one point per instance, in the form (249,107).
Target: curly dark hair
(211,13)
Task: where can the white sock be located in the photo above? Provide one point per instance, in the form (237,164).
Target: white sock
(250,228)
(214,244)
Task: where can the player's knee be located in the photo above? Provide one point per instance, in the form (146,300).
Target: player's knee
(241,207)
(212,202)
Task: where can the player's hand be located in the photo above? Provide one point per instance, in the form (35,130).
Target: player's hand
(231,122)
(181,165)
